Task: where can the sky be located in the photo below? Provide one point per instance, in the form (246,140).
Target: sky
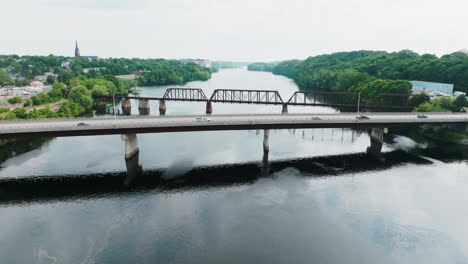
(233,30)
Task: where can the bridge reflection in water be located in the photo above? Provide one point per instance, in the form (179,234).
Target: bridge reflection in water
(46,189)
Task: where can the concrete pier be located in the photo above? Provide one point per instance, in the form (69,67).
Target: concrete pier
(131,157)
(162,107)
(209,107)
(376,140)
(131,144)
(266,143)
(101,107)
(285,109)
(126,106)
(144,107)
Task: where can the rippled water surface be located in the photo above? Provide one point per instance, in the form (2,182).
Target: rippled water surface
(212,197)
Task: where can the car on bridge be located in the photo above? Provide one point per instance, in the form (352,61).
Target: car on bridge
(202,119)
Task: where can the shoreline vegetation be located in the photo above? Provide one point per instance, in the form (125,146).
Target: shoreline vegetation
(74,81)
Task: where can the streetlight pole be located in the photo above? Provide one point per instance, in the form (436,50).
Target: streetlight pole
(113,100)
(358,102)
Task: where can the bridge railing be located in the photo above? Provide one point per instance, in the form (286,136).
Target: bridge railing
(185,94)
(246,96)
(319,98)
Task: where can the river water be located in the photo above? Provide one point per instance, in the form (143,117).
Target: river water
(211,197)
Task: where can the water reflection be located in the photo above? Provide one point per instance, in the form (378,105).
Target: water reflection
(185,178)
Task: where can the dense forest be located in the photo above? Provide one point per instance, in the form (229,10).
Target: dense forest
(403,65)
(372,72)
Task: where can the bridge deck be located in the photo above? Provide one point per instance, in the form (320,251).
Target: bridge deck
(159,124)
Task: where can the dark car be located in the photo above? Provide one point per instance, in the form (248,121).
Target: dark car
(316,118)
(362,117)
(82,124)
(422,116)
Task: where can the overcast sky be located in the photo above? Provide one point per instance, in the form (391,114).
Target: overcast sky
(237,30)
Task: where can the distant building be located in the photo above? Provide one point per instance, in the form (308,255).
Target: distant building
(77,50)
(202,62)
(43,78)
(78,55)
(36,84)
(432,88)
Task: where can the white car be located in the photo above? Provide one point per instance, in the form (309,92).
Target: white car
(202,119)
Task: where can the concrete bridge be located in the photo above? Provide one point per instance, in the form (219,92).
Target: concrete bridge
(129,127)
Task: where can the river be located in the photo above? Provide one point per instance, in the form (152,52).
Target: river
(318,199)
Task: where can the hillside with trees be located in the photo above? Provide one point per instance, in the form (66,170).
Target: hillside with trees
(370,72)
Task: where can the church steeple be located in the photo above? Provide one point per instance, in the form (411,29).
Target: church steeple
(77,50)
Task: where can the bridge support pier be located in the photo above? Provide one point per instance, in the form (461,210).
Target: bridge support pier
(285,109)
(376,140)
(101,107)
(209,107)
(466,128)
(162,107)
(144,107)
(131,157)
(266,143)
(126,106)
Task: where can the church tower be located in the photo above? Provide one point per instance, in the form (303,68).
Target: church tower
(77,50)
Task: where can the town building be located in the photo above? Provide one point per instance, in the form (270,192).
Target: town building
(202,62)
(432,89)
(78,55)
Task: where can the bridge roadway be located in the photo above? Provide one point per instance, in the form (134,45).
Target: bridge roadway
(159,124)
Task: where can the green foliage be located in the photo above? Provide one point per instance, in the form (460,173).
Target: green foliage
(4,110)
(20,113)
(459,103)
(81,96)
(15,100)
(262,66)
(403,65)
(42,98)
(50,79)
(438,104)
(173,72)
(419,99)
(424,107)
(370,90)
(5,78)
(27,103)
(71,109)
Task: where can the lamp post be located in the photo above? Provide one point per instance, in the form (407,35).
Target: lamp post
(358,102)
(113,100)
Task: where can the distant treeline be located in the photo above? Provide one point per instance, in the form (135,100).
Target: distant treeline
(262,66)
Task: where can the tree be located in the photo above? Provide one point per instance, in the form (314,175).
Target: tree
(459,103)
(5,78)
(418,99)
(81,96)
(15,100)
(50,79)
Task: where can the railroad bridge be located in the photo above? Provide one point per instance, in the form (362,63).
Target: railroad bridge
(343,100)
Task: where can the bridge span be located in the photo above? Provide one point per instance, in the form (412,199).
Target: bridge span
(129,127)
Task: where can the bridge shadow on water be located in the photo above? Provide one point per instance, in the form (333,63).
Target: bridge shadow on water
(46,189)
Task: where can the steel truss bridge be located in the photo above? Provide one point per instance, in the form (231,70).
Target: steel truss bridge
(271,97)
